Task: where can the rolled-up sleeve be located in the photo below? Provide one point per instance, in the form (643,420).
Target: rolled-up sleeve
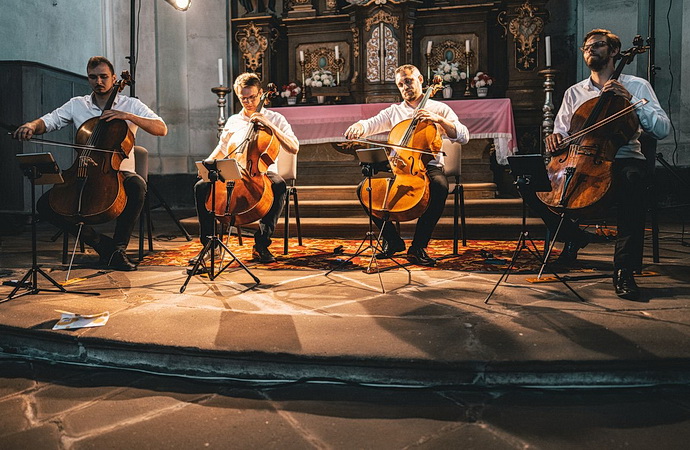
(380,123)
(59,118)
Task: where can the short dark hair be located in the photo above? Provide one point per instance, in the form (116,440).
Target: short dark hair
(96,61)
(613,40)
(247,79)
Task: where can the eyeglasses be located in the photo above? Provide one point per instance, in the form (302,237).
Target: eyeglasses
(249,99)
(594,45)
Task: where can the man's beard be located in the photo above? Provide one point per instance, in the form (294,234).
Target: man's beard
(596,64)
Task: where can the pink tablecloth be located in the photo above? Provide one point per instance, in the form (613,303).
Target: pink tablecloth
(485,118)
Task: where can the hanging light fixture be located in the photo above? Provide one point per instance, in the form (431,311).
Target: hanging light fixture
(180,5)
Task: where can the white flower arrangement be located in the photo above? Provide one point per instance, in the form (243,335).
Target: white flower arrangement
(450,72)
(320,78)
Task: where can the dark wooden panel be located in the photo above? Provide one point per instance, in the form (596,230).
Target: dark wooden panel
(27,91)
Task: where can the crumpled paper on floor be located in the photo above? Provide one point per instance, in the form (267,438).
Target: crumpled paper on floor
(70,320)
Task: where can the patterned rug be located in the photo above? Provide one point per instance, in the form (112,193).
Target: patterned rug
(325,254)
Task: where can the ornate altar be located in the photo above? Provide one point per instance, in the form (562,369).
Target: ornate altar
(373,37)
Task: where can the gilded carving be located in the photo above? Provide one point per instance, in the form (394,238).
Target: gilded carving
(373,56)
(252,45)
(390,61)
(313,59)
(408,41)
(378,2)
(525,28)
(378,17)
(448,50)
(355,41)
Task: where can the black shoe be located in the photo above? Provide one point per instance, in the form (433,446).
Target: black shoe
(262,255)
(119,261)
(390,249)
(624,283)
(569,253)
(420,257)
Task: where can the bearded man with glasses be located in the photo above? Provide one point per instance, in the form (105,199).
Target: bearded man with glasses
(630,172)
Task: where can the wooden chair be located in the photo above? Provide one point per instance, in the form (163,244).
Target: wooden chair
(453,169)
(287,169)
(141,160)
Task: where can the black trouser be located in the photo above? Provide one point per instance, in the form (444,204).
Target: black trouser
(135,189)
(438,192)
(630,178)
(267,225)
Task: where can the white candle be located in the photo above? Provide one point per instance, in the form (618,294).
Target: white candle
(428,47)
(467,46)
(220,71)
(548,51)
(301,56)
(337,53)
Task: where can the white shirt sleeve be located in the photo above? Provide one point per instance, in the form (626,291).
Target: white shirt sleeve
(59,118)
(380,123)
(653,118)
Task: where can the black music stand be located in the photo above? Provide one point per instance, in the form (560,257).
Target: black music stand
(530,177)
(370,158)
(225,170)
(39,168)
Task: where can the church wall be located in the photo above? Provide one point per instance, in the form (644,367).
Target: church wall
(58,33)
(628,18)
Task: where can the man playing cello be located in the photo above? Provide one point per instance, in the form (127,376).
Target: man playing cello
(409,80)
(248,89)
(629,170)
(101,76)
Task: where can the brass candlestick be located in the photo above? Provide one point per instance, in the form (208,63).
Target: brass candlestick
(221,92)
(304,86)
(468,57)
(548,109)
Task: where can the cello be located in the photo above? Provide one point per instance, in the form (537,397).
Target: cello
(93,192)
(405,195)
(252,195)
(580,170)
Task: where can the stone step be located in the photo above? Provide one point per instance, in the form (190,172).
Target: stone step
(485,228)
(349,192)
(353,208)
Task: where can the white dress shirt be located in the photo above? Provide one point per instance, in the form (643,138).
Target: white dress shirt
(652,117)
(237,126)
(388,118)
(80,109)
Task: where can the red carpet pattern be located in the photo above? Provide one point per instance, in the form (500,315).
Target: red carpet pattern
(325,254)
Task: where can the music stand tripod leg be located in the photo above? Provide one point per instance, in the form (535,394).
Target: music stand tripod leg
(369,236)
(374,245)
(214,241)
(34,166)
(162,203)
(504,276)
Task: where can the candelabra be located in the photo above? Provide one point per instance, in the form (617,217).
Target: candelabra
(468,57)
(221,92)
(304,86)
(549,84)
